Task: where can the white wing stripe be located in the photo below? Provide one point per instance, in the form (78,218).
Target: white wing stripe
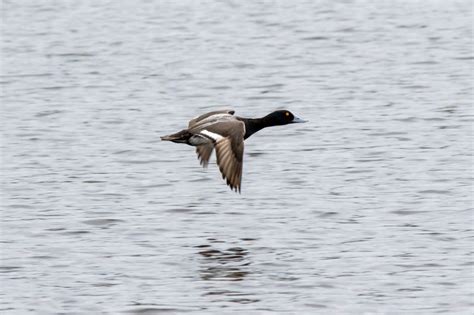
(212,135)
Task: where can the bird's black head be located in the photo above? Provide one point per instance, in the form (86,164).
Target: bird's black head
(282,117)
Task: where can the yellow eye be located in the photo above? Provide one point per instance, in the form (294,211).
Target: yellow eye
(287,114)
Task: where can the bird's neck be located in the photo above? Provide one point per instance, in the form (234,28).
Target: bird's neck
(252,125)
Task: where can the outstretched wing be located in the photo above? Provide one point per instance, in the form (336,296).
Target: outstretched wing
(229,153)
(204,152)
(229,159)
(193,122)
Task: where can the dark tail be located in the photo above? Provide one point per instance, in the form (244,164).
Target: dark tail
(179,137)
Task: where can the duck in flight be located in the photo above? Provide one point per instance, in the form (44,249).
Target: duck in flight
(226,133)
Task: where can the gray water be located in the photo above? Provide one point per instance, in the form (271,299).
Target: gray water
(366,209)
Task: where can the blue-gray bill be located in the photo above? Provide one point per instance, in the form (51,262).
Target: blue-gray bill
(298,120)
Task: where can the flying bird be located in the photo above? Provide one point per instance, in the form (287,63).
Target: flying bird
(223,131)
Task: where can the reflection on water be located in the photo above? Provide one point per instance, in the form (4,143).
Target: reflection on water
(224,265)
(229,264)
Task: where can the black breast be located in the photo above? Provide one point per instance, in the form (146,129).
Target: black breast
(251,125)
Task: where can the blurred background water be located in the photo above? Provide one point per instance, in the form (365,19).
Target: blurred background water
(365,209)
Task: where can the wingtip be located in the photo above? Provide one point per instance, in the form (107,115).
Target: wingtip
(235,188)
(203,163)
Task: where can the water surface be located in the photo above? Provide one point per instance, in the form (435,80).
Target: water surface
(365,209)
